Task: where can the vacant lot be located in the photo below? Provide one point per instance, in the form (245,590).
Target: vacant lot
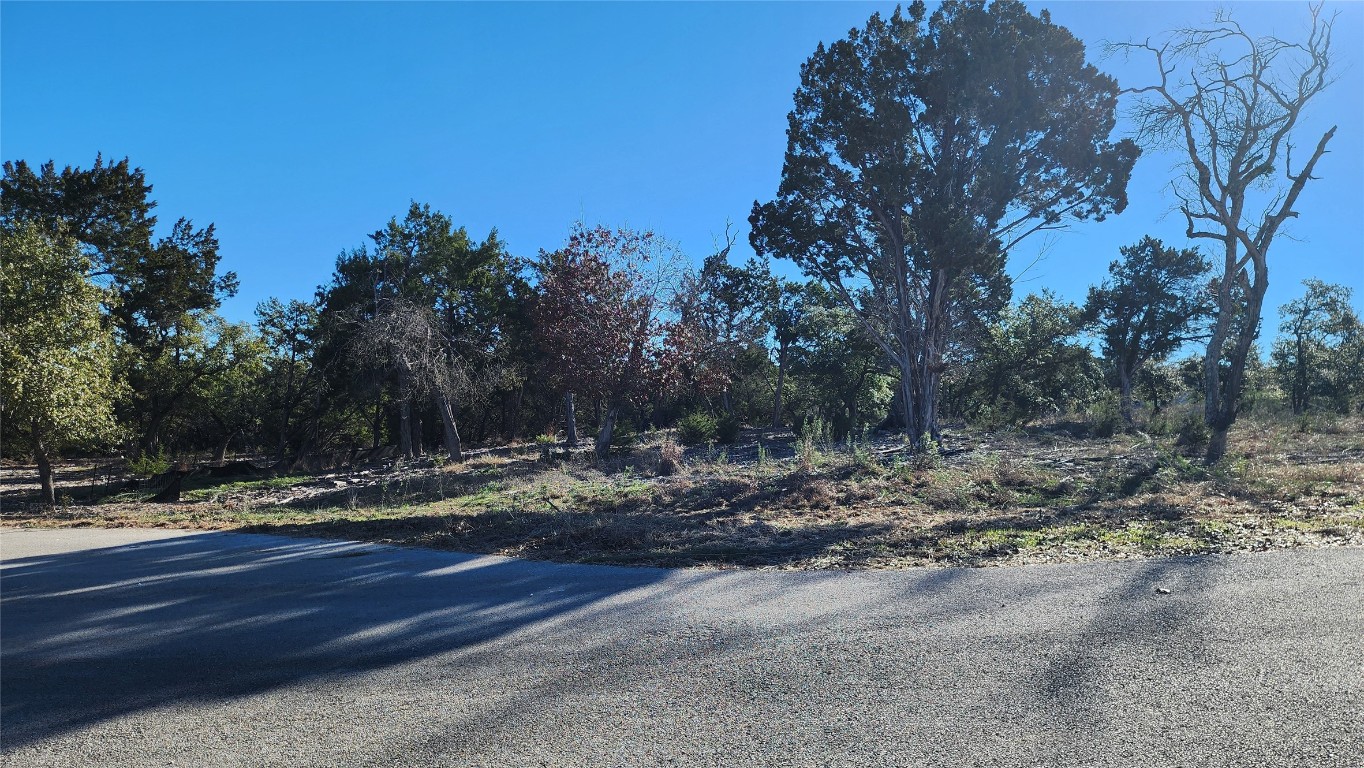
(1045,494)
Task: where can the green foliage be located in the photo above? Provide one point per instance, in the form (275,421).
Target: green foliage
(816,429)
(1103,417)
(56,353)
(1147,309)
(727,429)
(813,436)
(104,208)
(697,429)
(919,149)
(836,370)
(929,456)
(549,447)
(1027,365)
(1319,358)
(1192,432)
(624,435)
(150,464)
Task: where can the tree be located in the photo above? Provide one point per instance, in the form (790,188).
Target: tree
(601,318)
(173,342)
(163,293)
(786,315)
(1233,119)
(289,332)
(1321,352)
(1147,309)
(920,151)
(1027,365)
(56,353)
(424,263)
(407,338)
(226,408)
(723,309)
(106,208)
(840,374)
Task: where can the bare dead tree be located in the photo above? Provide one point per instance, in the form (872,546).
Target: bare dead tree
(1230,102)
(407,339)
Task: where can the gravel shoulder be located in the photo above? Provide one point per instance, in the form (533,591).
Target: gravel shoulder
(130,647)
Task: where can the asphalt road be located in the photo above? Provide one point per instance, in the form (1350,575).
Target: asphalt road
(164,648)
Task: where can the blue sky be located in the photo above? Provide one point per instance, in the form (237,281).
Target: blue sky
(298,128)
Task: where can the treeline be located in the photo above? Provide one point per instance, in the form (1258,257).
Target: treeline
(908,179)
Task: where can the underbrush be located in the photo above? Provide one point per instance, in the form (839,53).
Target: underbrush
(777,500)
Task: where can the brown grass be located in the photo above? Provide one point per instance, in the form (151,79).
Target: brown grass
(992,498)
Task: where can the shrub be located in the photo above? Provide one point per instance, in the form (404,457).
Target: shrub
(149,465)
(669,458)
(624,435)
(815,429)
(696,429)
(727,429)
(1192,433)
(547,445)
(930,456)
(1103,418)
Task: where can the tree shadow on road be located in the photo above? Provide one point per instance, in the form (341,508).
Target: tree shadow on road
(92,635)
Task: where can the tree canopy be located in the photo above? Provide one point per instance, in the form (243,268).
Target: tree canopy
(57,382)
(920,150)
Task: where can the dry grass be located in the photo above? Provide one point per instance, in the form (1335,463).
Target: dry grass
(991,498)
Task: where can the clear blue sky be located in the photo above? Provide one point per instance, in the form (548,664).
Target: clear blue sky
(298,128)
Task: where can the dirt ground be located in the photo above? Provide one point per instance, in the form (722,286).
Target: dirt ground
(1049,493)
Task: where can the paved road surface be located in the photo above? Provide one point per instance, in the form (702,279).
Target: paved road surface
(165,648)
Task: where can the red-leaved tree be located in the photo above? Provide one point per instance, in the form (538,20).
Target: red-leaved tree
(601,322)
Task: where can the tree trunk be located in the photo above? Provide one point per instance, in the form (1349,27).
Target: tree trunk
(1217,445)
(378,419)
(220,455)
(514,429)
(1224,394)
(608,425)
(1125,396)
(405,428)
(781,378)
(453,448)
(49,489)
(907,402)
(934,343)
(571,417)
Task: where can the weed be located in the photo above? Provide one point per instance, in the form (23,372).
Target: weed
(929,456)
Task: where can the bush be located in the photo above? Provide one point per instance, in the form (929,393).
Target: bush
(669,458)
(548,447)
(1192,433)
(815,429)
(623,435)
(149,465)
(696,429)
(1103,418)
(727,429)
